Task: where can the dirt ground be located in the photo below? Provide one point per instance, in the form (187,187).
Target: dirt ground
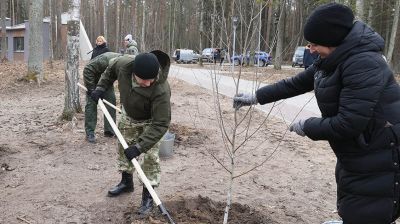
(51,174)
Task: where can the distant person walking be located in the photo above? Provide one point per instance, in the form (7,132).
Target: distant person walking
(217,55)
(101,47)
(130,45)
(222,55)
(308,57)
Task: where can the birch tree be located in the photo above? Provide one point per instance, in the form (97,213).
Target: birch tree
(35,59)
(143,47)
(105,11)
(393,33)
(3,10)
(72,102)
(360,9)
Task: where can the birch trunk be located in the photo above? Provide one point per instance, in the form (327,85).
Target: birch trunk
(392,40)
(143,47)
(105,11)
(35,59)
(72,102)
(360,9)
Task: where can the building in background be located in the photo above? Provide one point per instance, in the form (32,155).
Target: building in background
(18,40)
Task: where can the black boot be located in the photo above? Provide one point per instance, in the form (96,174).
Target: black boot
(126,185)
(147,202)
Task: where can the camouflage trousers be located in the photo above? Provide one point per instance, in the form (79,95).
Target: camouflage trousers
(91,112)
(150,161)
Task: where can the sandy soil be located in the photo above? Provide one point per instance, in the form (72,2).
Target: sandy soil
(51,174)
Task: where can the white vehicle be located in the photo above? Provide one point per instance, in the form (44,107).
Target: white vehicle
(185,56)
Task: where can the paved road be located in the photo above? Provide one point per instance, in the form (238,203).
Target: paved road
(284,109)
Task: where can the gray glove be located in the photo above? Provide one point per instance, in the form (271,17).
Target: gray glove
(298,127)
(244,99)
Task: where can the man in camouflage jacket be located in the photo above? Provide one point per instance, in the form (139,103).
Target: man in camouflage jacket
(145,98)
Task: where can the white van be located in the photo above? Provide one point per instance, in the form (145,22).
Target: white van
(185,56)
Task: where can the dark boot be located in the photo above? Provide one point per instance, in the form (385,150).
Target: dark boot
(91,138)
(126,185)
(147,202)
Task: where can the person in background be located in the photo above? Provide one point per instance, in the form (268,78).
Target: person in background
(146,114)
(130,45)
(91,76)
(359,100)
(101,47)
(222,55)
(217,55)
(308,57)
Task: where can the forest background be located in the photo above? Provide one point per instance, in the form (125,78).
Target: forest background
(198,24)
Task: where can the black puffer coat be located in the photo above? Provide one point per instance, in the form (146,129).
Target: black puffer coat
(359,101)
(100,49)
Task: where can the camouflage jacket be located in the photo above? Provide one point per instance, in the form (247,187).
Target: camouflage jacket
(95,67)
(141,103)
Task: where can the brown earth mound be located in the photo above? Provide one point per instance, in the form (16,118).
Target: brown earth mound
(201,210)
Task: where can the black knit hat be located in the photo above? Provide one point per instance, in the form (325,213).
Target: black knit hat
(146,66)
(329,24)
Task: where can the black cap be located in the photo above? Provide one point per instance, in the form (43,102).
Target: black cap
(146,66)
(329,24)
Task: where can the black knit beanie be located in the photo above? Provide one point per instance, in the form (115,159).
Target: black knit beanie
(146,66)
(329,24)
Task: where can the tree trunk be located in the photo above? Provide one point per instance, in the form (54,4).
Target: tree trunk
(173,25)
(51,24)
(201,32)
(35,59)
(396,56)
(60,50)
(105,11)
(3,43)
(117,24)
(13,13)
(229,191)
(392,40)
(370,12)
(269,25)
(132,19)
(281,30)
(143,47)
(213,23)
(72,102)
(360,10)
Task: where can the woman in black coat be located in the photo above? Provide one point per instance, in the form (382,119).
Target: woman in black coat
(101,47)
(359,101)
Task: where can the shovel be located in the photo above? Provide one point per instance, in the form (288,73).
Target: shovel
(134,161)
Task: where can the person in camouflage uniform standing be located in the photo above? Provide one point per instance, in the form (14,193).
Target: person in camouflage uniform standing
(131,45)
(146,115)
(91,75)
